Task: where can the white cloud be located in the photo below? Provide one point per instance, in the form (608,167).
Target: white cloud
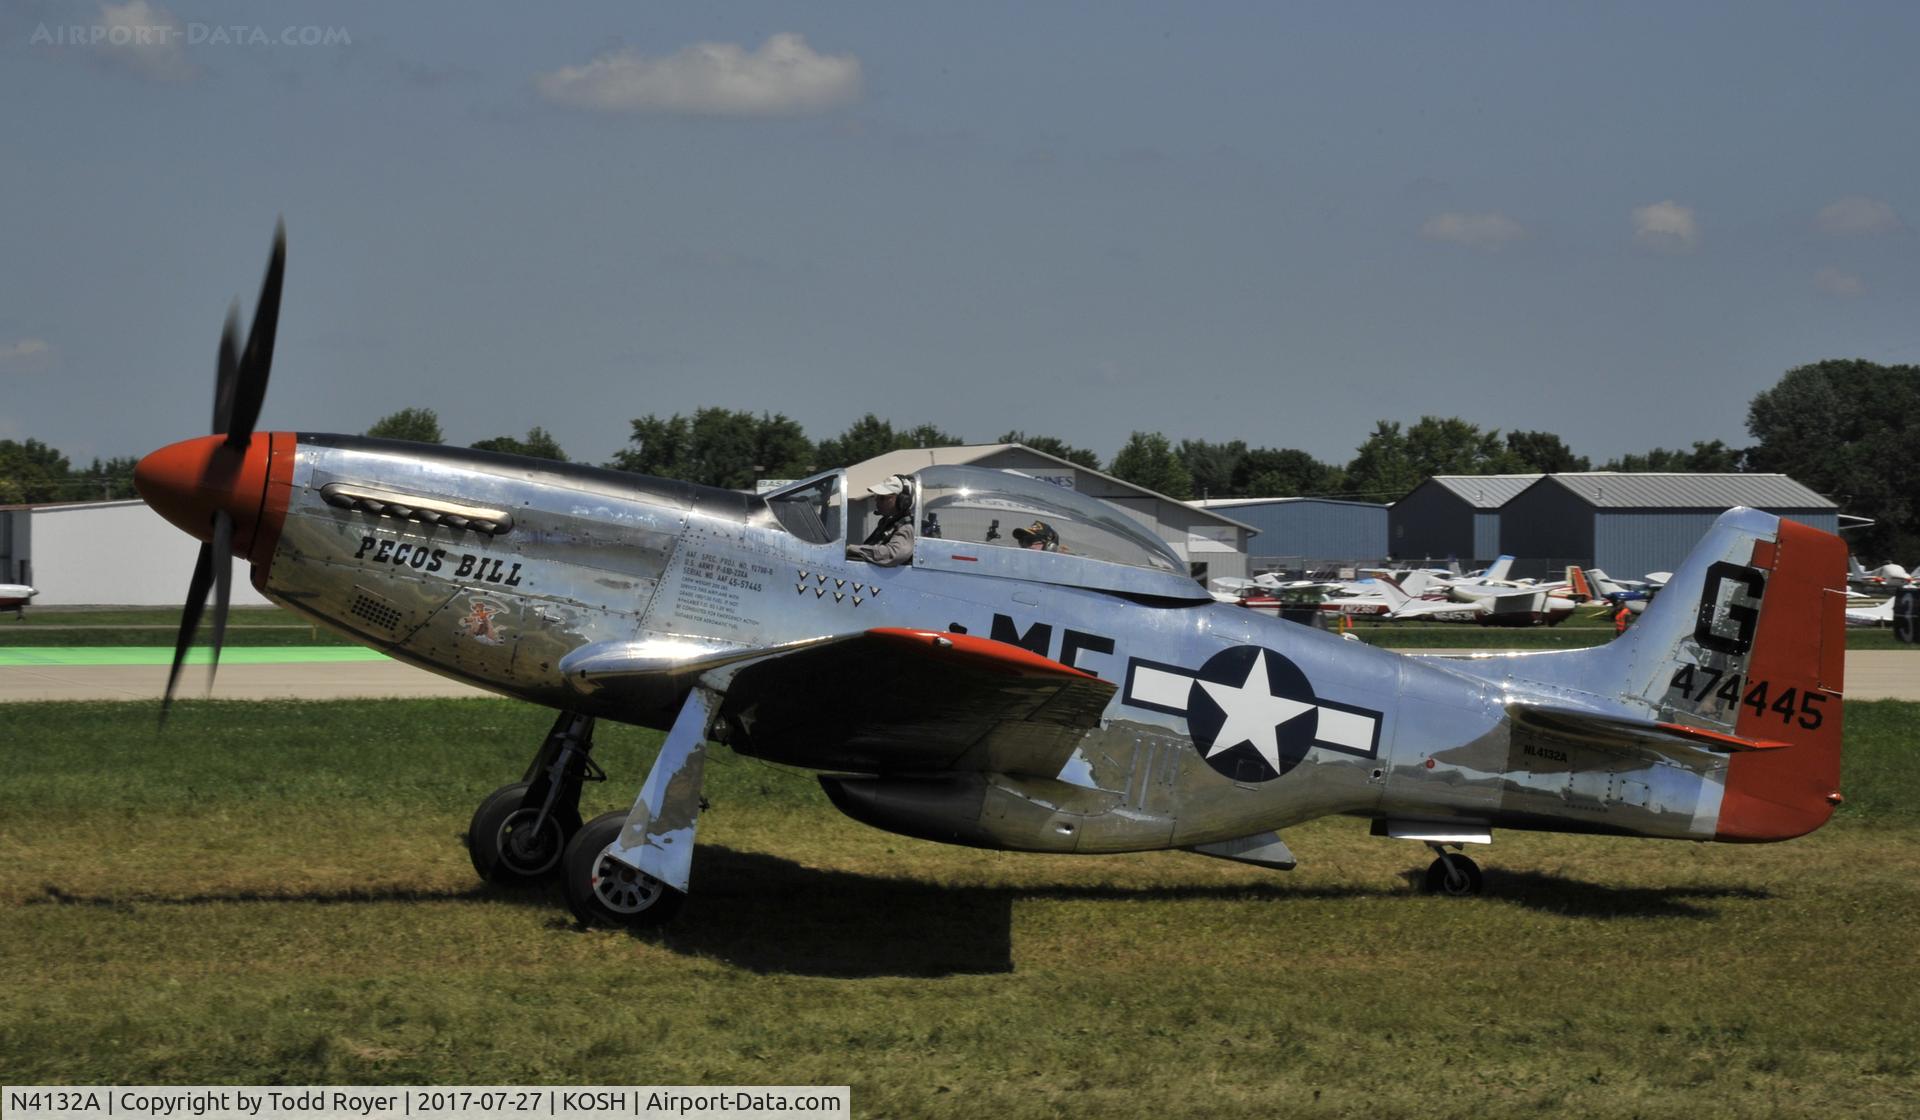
(1837,283)
(1855,215)
(25,348)
(1478,231)
(1665,227)
(145,38)
(784,77)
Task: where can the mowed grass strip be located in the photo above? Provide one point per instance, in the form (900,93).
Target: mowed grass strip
(156,626)
(277,892)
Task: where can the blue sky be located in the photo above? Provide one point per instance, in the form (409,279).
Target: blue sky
(1269,222)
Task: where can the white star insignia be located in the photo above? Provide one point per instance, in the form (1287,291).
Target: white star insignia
(1253,713)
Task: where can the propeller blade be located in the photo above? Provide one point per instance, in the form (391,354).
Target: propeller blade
(189,622)
(222,584)
(239,388)
(257,362)
(228,372)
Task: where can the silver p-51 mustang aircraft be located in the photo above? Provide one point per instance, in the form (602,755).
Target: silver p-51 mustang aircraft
(1091,698)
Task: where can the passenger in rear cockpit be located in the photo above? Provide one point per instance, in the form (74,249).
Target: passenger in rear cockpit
(1039,536)
(891,542)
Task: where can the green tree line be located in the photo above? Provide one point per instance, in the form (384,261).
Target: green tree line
(1838,427)
(30,471)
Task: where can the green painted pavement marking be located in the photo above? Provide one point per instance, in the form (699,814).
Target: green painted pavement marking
(163,655)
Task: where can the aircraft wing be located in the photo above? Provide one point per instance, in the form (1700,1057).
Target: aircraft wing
(1513,601)
(915,700)
(883,701)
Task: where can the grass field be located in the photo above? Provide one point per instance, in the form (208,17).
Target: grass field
(277,892)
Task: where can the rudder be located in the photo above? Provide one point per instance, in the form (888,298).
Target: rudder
(1794,683)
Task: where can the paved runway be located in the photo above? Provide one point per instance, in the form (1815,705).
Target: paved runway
(355,673)
(265,673)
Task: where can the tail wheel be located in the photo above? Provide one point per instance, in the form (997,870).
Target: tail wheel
(1454,877)
(602,891)
(509,843)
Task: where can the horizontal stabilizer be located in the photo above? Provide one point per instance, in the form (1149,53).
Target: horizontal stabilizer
(1623,731)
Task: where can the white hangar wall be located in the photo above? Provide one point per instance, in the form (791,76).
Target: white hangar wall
(110,553)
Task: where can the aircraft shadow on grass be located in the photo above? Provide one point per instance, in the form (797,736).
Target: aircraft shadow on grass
(52,894)
(1578,898)
(772,915)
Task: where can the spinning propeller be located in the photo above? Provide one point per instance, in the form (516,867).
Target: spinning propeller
(214,486)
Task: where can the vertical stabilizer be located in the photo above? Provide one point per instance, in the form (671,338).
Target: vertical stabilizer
(1395,595)
(1749,639)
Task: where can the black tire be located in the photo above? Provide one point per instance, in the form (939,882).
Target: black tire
(1463,880)
(602,891)
(504,850)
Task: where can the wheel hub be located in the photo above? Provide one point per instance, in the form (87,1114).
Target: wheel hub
(531,846)
(622,889)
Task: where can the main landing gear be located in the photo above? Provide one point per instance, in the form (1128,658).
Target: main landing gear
(519,833)
(1453,875)
(632,868)
(625,868)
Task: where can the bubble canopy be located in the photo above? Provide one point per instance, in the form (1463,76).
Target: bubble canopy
(977,519)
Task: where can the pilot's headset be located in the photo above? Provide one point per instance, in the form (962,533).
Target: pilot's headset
(904,493)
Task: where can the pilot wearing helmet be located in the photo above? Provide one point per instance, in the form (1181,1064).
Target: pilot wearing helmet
(891,542)
(1039,536)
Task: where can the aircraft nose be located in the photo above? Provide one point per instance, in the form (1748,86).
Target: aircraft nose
(186,482)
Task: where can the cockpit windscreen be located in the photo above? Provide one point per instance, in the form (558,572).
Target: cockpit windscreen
(1009,510)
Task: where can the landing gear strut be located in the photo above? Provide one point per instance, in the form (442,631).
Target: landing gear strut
(1453,875)
(520,831)
(632,868)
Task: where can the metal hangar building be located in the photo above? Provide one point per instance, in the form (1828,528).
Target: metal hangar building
(1307,535)
(1453,517)
(1632,524)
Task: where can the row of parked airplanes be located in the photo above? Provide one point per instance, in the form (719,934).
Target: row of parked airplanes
(1491,598)
(1487,597)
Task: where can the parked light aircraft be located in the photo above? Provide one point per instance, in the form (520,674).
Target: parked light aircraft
(1887,577)
(1489,599)
(1629,593)
(1521,606)
(1876,614)
(16,596)
(1096,700)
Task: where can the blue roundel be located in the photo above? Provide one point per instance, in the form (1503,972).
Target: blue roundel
(1252,714)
